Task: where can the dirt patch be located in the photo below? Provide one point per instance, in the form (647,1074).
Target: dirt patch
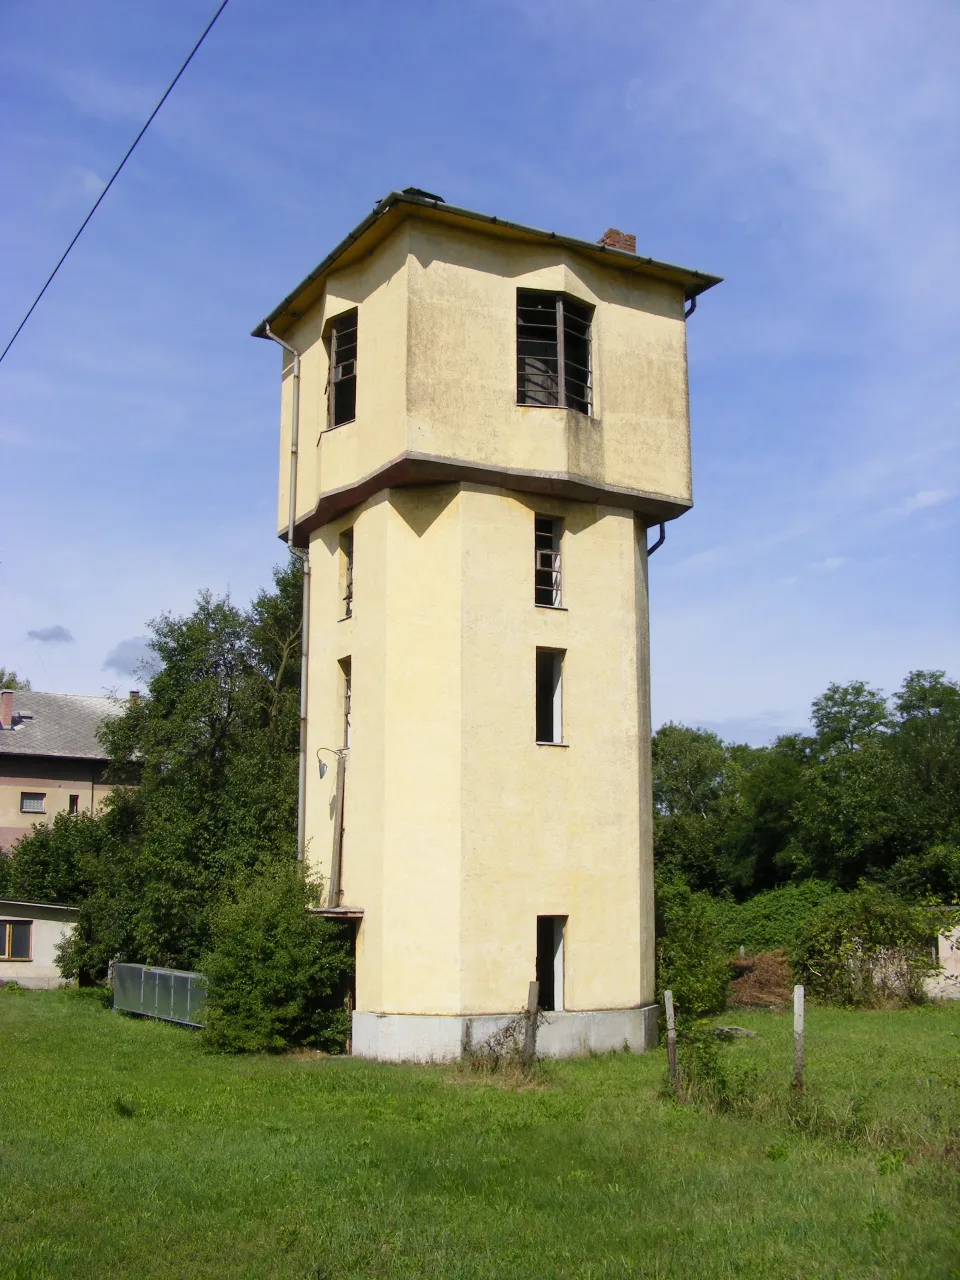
(764,981)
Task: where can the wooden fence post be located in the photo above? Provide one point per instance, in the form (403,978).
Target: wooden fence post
(671,1038)
(798,1039)
(530,1026)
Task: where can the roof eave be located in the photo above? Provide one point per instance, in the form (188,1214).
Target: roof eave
(694,282)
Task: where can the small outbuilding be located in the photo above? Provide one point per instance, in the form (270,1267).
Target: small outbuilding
(29,935)
(946,985)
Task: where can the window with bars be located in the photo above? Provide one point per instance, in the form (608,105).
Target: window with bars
(342,389)
(546,572)
(553,351)
(33,801)
(15,939)
(346,565)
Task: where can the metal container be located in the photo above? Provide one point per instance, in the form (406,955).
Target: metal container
(171,994)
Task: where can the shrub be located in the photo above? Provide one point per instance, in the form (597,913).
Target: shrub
(277,975)
(771,921)
(866,947)
(692,957)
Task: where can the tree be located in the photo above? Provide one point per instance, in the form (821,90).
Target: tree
(214,747)
(10,680)
(688,769)
(846,716)
(50,864)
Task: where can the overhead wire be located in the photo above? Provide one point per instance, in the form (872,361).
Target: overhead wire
(114,176)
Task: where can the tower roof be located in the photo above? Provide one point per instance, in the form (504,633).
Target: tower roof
(389,212)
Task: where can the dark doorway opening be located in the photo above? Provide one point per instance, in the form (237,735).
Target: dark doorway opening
(550,961)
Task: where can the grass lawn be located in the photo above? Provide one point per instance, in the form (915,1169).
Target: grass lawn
(126,1150)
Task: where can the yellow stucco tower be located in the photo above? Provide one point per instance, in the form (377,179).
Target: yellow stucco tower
(486,419)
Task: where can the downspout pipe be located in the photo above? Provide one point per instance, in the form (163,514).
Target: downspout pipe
(304,554)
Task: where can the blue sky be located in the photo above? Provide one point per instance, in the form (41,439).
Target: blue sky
(807,150)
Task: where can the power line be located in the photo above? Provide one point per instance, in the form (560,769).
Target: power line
(116,173)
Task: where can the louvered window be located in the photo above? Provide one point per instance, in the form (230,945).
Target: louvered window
(342,391)
(546,579)
(553,351)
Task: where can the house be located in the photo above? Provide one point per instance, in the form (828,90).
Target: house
(29,935)
(481,423)
(50,759)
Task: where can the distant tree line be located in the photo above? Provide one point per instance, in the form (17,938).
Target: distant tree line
(872,794)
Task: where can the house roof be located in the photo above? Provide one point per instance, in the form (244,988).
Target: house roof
(37,906)
(389,212)
(57,724)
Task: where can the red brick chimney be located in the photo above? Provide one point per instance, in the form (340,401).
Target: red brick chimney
(6,709)
(614,239)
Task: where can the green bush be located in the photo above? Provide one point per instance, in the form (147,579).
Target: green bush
(867,947)
(692,956)
(771,921)
(277,976)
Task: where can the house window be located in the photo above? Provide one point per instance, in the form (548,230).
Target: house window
(346,693)
(74,805)
(33,801)
(546,541)
(342,391)
(550,961)
(15,939)
(553,351)
(346,571)
(549,696)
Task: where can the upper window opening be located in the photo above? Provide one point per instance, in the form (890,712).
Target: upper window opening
(74,805)
(342,391)
(546,574)
(553,351)
(33,801)
(346,552)
(549,696)
(15,939)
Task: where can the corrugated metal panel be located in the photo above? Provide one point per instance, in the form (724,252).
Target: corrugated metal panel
(173,995)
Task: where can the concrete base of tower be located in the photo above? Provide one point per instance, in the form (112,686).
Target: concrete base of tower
(414,1037)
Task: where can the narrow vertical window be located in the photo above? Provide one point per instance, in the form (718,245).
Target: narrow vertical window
(550,961)
(74,806)
(553,351)
(346,571)
(549,696)
(342,391)
(546,539)
(346,693)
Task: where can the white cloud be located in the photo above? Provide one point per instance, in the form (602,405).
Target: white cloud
(922,499)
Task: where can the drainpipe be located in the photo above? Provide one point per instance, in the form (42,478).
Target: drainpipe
(304,555)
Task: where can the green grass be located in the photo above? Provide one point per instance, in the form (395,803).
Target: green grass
(125,1150)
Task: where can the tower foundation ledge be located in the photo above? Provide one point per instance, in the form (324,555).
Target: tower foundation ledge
(417,1037)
